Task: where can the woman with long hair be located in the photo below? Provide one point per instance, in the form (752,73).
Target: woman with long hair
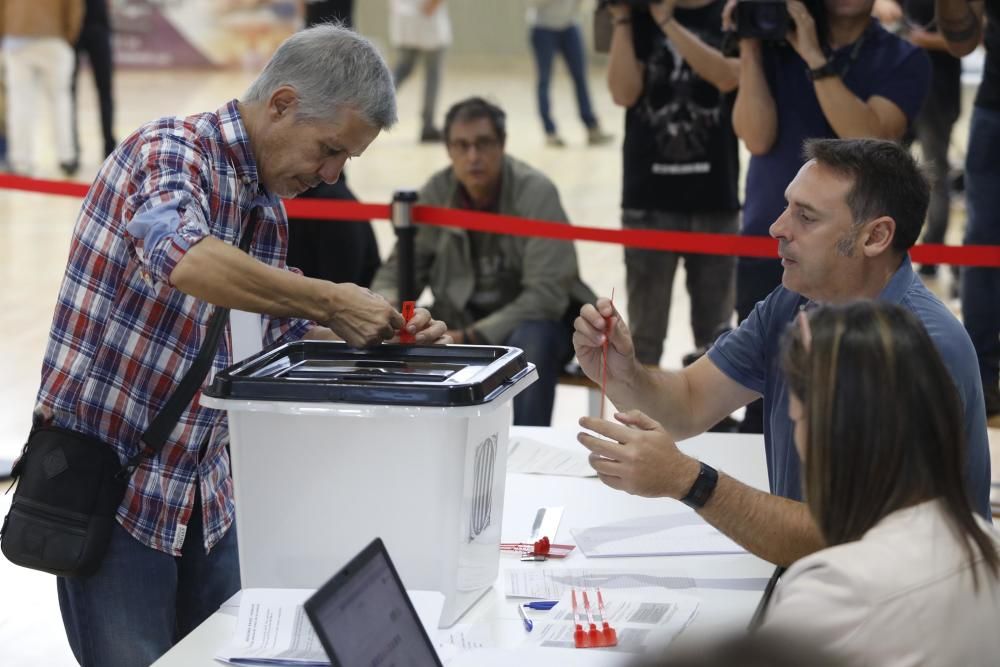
(910,574)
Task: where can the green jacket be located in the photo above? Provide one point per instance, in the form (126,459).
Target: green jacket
(543,276)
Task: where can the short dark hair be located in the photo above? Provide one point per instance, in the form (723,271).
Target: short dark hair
(474,108)
(886,181)
(884,422)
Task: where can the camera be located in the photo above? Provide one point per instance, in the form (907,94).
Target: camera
(602,20)
(634,4)
(762,19)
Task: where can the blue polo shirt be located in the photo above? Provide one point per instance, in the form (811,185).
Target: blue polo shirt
(878,63)
(751,355)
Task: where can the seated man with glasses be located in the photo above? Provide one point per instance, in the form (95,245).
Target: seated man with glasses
(495,289)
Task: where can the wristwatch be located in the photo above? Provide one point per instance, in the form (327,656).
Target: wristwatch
(703,487)
(823,71)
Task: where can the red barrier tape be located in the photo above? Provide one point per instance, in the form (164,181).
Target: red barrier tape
(683,242)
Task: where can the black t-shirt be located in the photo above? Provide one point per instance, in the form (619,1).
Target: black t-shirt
(989,90)
(680,151)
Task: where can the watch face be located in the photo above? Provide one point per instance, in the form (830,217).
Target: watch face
(823,71)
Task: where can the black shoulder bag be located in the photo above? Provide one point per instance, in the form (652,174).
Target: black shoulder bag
(69,484)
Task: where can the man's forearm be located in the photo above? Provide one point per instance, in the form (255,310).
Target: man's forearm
(776,529)
(662,394)
(848,115)
(706,61)
(217,272)
(960,22)
(755,118)
(624,69)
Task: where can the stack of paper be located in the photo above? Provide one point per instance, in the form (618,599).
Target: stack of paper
(680,533)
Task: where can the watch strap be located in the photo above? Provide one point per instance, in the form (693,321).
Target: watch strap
(823,71)
(703,487)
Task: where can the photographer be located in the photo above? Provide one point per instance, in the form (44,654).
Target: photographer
(851,79)
(680,157)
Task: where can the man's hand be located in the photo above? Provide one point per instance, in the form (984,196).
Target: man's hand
(363,318)
(426,330)
(803,38)
(888,12)
(642,458)
(620,10)
(662,11)
(588,342)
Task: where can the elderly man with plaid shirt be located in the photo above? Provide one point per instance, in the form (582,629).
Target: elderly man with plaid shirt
(152,253)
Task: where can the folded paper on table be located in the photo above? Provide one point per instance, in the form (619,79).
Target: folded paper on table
(530,456)
(677,534)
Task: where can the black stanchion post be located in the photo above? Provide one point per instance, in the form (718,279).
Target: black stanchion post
(402,222)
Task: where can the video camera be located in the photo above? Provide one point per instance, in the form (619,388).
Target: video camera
(631,3)
(762,19)
(768,20)
(602,20)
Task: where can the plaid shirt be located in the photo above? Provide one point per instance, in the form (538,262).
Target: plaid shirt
(122,336)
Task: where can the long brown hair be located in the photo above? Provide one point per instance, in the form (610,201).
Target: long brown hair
(884,422)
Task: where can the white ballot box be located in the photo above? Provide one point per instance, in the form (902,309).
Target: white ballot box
(332,447)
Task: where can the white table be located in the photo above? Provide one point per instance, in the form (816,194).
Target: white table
(732,583)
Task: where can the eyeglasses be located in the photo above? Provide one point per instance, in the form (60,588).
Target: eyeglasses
(481,144)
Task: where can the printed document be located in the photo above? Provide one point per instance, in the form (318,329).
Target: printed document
(272,629)
(643,619)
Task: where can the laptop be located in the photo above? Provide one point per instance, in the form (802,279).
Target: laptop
(363,616)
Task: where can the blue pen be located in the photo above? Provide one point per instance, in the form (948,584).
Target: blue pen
(528,625)
(542,605)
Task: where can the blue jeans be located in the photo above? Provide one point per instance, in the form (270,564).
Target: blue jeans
(549,345)
(544,44)
(142,601)
(981,286)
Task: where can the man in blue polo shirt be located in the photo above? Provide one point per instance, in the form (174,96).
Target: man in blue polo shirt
(854,210)
(841,74)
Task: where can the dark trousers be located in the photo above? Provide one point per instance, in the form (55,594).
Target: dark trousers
(142,601)
(548,344)
(95,41)
(545,44)
(649,278)
(981,286)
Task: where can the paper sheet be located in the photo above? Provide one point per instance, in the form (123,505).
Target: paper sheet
(549,583)
(531,456)
(680,533)
(272,628)
(642,619)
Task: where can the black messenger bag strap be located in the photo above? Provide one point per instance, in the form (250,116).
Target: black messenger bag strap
(155,436)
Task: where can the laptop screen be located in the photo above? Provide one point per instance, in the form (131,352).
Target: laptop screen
(364,618)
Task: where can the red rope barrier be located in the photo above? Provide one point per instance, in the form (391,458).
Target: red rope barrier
(683,242)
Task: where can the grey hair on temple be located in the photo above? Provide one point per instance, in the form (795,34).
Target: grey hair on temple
(331,68)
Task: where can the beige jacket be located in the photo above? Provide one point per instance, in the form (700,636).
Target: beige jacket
(41,18)
(900,596)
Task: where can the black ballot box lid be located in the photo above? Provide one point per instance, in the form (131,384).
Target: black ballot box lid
(330,371)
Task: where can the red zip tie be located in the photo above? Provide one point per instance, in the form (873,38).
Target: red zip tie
(604,353)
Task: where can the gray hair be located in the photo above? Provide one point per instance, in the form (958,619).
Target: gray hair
(330,67)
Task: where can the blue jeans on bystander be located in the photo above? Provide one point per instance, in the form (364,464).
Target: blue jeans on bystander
(142,601)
